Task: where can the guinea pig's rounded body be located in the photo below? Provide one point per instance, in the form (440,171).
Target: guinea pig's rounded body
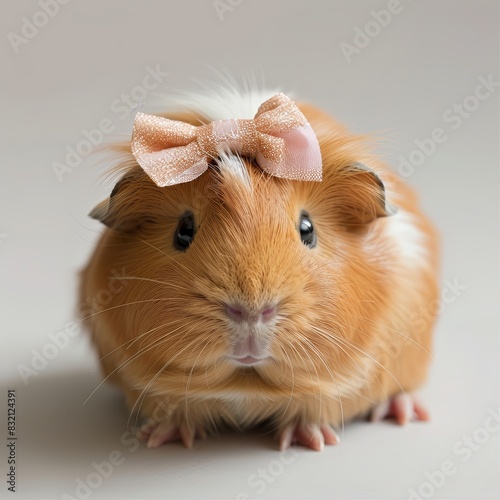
(240,297)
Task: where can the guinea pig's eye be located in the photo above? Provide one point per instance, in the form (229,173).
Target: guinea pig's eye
(184,234)
(306,230)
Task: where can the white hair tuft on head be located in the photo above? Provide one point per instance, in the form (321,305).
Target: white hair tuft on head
(223,97)
(230,164)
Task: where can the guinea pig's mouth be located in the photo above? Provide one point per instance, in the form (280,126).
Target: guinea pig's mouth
(248,360)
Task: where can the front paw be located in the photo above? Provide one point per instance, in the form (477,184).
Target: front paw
(158,433)
(403,408)
(311,436)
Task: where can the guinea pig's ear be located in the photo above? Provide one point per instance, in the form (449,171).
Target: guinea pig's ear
(364,198)
(114,211)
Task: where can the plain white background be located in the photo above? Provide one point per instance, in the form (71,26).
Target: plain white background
(71,72)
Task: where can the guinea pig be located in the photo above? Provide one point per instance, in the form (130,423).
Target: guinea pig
(239,295)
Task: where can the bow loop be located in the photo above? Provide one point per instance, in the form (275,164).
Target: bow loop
(279,115)
(279,138)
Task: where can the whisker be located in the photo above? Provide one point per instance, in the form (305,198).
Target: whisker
(339,342)
(364,353)
(188,382)
(315,370)
(143,394)
(401,334)
(336,385)
(117,307)
(127,361)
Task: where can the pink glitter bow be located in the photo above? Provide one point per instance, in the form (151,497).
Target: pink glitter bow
(279,138)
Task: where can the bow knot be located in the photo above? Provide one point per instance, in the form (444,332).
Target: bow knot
(279,137)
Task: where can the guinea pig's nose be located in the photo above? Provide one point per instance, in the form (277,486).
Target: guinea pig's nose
(241,314)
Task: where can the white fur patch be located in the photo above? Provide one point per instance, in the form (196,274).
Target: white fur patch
(409,239)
